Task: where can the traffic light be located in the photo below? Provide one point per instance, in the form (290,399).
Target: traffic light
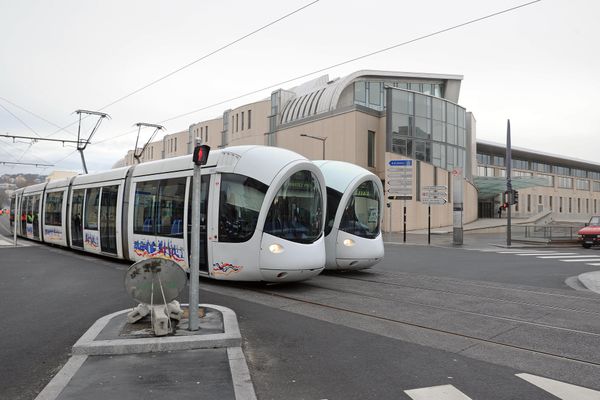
(515,197)
(201,154)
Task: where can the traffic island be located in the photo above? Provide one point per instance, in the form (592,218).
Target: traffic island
(117,359)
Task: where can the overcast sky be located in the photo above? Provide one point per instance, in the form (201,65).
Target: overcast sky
(538,65)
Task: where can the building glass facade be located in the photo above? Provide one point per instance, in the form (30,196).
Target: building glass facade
(426,128)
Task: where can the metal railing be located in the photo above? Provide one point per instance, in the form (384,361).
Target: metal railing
(546,232)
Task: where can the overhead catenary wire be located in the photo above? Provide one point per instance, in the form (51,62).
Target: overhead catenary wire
(34,114)
(279,84)
(196,61)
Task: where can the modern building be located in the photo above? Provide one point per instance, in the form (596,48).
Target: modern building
(370,118)
(564,188)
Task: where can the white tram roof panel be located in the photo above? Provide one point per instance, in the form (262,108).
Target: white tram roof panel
(59,183)
(112,175)
(262,163)
(34,188)
(339,174)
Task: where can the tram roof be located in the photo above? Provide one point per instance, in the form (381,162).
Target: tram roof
(259,162)
(35,188)
(112,175)
(59,183)
(339,174)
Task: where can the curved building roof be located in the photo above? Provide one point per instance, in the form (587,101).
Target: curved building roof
(321,95)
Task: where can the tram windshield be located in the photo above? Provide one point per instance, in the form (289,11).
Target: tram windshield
(240,201)
(296,213)
(361,216)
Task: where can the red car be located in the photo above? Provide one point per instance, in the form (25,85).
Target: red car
(589,235)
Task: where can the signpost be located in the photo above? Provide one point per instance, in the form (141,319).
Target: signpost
(433,195)
(200,157)
(398,181)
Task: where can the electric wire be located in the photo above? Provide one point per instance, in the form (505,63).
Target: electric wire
(20,120)
(197,60)
(279,84)
(34,114)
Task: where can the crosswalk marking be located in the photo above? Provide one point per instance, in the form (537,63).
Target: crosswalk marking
(525,251)
(594,264)
(577,256)
(5,242)
(548,254)
(582,260)
(562,390)
(443,392)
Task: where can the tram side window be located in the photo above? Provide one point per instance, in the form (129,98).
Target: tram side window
(12,212)
(333,201)
(361,215)
(296,213)
(240,200)
(91,209)
(53,214)
(171,205)
(144,207)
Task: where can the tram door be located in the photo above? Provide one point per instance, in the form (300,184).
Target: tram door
(76,218)
(204,181)
(108,219)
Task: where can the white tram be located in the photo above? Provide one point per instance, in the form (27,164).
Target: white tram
(262,213)
(353,238)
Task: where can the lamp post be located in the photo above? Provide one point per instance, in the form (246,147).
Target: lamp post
(321,138)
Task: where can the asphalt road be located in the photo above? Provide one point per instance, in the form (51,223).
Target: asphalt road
(426,316)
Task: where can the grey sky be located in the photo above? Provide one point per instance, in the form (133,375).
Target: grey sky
(537,65)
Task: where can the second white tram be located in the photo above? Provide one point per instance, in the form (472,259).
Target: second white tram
(353,238)
(262,213)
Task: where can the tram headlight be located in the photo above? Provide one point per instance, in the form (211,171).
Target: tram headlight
(276,248)
(349,242)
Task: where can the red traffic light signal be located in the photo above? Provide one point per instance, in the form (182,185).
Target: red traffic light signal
(201,154)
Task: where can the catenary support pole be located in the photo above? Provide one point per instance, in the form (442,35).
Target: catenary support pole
(404,223)
(428,224)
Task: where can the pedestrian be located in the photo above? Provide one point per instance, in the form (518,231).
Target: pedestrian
(500,212)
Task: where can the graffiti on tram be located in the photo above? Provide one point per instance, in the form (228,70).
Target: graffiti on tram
(226,268)
(161,249)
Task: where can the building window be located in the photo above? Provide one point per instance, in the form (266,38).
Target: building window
(528,203)
(565,183)
(242,120)
(570,205)
(249,119)
(371,149)
(175,145)
(550,200)
(237,126)
(582,184)
(578,206)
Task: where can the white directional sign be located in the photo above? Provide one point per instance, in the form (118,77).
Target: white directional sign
(398,178)
(434,195)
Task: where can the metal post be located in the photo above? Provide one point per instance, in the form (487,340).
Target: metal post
(14,211)
(195,259)
(404,223)
(508,184)
(428,224)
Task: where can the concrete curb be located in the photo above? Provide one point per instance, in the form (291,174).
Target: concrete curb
(590,280)
(86,345)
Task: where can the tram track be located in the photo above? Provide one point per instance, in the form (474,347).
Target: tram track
(503,300)
(476,339)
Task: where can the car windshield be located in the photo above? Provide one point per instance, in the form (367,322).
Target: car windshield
(594,221)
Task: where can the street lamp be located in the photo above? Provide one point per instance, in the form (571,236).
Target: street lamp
(321,138)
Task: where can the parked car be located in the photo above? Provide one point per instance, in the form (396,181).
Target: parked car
(589,235)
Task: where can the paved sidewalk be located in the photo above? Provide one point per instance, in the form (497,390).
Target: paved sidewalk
(118,360)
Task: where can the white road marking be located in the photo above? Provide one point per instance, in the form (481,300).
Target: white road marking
(5,242)
(579,256)
(443,392)
(582,260)
(562,390)
(526,251)
(550,254)
(594,264)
